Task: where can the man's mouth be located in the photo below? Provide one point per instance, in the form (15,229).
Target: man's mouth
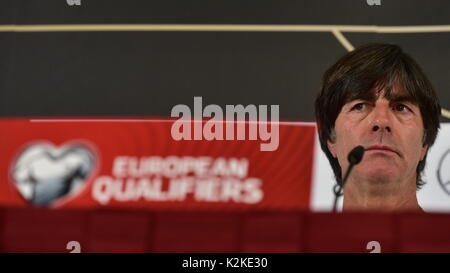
(382,149)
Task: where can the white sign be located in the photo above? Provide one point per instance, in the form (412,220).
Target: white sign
(433,197)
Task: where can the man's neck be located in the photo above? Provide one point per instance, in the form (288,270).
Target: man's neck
(379,198)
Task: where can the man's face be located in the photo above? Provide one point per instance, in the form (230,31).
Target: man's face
(391,131)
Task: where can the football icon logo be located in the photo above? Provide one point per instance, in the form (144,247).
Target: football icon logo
(44,173)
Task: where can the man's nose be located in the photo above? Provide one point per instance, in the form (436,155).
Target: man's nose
(381,120)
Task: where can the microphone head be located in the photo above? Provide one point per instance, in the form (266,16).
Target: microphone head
(356,155)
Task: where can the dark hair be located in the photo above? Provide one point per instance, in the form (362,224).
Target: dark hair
(369,67)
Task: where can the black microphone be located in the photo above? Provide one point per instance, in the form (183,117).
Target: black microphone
(354,157)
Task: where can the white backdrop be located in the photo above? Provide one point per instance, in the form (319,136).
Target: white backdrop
(432,197)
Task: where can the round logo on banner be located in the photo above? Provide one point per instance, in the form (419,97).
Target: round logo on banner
(443,172)
(44,173)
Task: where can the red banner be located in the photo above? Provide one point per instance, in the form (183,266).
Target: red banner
(136,163)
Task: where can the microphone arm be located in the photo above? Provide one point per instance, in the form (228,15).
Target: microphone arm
(354,157)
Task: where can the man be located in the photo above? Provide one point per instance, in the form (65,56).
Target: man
(378,97)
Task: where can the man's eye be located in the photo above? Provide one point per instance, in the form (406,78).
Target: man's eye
(358,106)
(401,108)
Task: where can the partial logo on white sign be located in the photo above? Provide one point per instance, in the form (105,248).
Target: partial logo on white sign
(443,173)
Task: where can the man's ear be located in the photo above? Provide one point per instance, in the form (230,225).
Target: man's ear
(424,146)
(332,147)
(331,143)
(423,152)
